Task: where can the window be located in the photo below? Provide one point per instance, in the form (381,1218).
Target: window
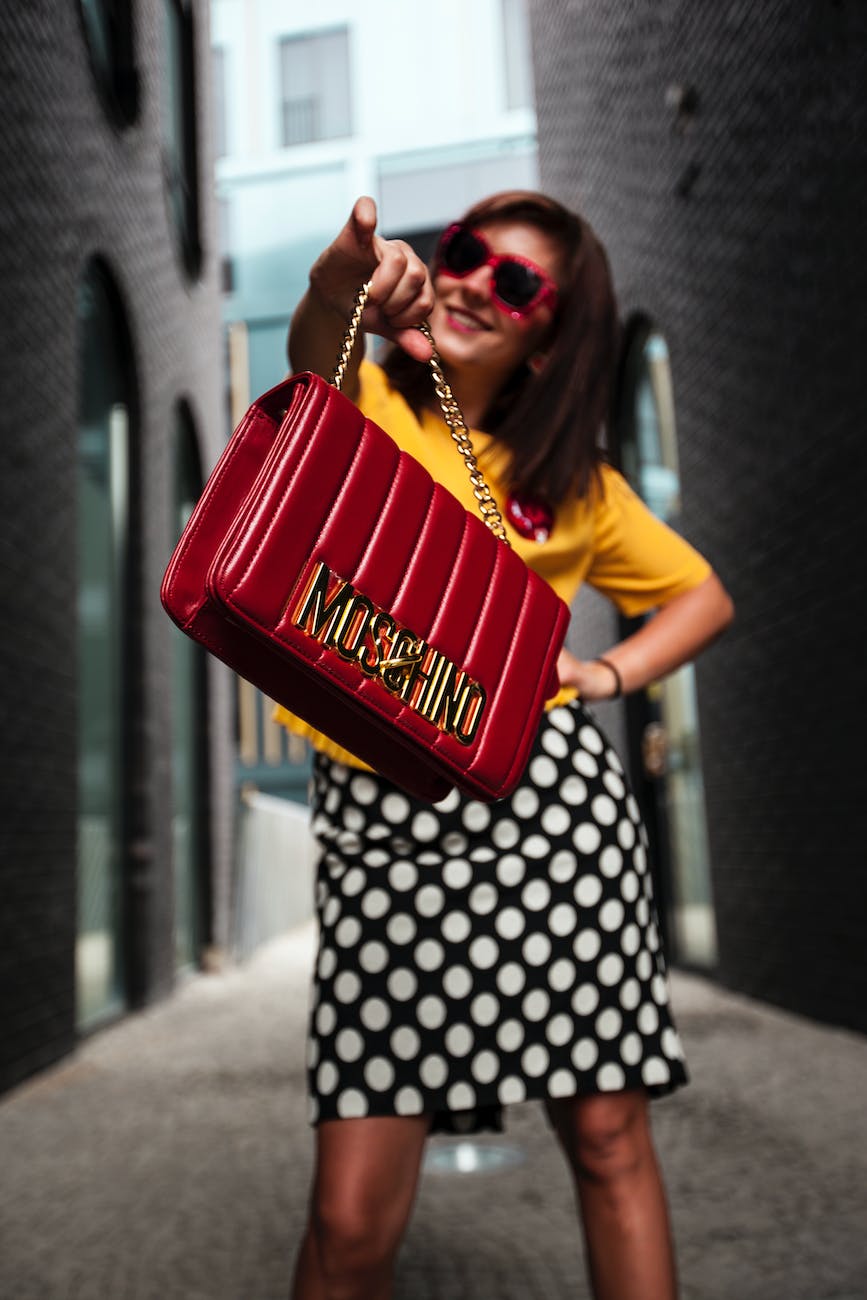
(180,152)
(108,29)
(517,51)
(314,79)
(105,413)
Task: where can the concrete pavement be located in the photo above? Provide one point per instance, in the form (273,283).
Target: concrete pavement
(169,1160)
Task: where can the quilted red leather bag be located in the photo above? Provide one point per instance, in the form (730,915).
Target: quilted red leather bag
(325,566)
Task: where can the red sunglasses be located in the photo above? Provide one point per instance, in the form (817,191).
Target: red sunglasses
(518,286)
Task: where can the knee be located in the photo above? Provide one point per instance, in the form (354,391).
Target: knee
(608,1138)
(354,1241)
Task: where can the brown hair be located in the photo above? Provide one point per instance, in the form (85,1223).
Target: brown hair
(551,422)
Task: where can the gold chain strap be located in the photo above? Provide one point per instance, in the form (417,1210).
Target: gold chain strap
(488,508)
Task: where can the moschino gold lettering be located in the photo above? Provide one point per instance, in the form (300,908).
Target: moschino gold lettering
(332,612)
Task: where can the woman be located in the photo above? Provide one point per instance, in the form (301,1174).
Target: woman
(474,955)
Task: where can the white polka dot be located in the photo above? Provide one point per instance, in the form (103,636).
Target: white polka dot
(375,1013)
(455,843)
(484,1067)
(525,803)
(630,995)
(611,861)
(395,807)
(630,940)
(326,1018)
(587,837)
(536,895)
(648,1018)
(510,1035)
(535,1060)
(312,1053)
(510,923)
(363,789)
(408,1101)
(633,809)
(543,771)
(455,927)
(631,1049)
(457,981)
(373,957)
(353,819)
(484,952)
(659,990)
(535,847)
(644,965)
(403,875)
(461,1096)
(625,834)
(349,842)
(449,803)
(562,866)
(536,1004)
(588,891)
(536,949)
(431,1012)
(326,1078)
(511,1090)
(562,1084)
(312,1109)
(425,826)
(459,1039)
(483,898)
(590,738)
(349,1044)
(586,945)
(511,979)
(433,1071)
(401,928)
(610,970)
(585,1054)
(331,912)
(555,744)
(484,1009)
(655,1071)
(671,1044)
(347,986)
(505,834)
(559,1029)
(561,975)
(585,763)
(429,900)
(611,915)
(352,1104)
(327,963)
(652,937)
(375,903)
(642,911)
(604,809)
(562,719)
(457,873)
(556,820)
(332,799)
(609,1023)
(377,857)
(402,984)
(482,853)
(614,784)
(585,999)
(476,816)
(610,1078)
(511,870)
(630,886)
(639,859)
(430,954)
(563,919)
(573,791)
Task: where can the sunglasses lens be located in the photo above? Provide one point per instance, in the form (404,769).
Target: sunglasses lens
(463,252)
(516,284)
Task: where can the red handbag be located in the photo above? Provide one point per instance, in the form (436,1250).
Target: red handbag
(324,565)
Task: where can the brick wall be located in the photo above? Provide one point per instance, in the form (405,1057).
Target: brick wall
(75,185)
(739,229)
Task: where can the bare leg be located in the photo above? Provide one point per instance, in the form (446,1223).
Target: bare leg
(363,1192)
(609,1147)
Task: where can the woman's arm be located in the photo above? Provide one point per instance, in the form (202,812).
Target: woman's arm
(673,636)
(401,296)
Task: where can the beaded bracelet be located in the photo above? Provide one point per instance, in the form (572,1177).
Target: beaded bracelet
(618,690)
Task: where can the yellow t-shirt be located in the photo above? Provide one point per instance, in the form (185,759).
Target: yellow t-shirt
(608,539)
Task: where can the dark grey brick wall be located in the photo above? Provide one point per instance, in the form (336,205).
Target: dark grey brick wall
(75,185)
(740,231)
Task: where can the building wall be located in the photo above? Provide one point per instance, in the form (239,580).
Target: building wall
(720,152)
(76,185)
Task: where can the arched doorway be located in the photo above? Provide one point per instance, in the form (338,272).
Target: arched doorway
(663,721)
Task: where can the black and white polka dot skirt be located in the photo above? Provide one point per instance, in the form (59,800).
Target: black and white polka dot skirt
(472,955)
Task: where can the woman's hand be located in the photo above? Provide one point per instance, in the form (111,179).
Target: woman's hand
(590,678)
